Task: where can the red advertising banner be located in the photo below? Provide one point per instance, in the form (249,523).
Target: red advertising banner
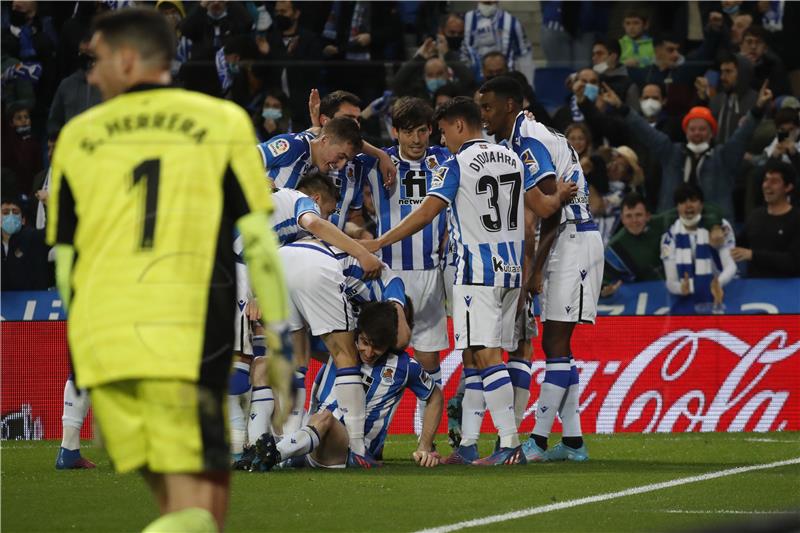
(638,374)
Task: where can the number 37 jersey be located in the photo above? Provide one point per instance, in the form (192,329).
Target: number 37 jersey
(484,185)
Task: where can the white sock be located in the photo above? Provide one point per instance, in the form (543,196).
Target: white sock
(556,381)
(520,372)
(300,442)
(568,411)
(499,395)
(352,403)
(473,406)
(238,425)
(261,407)
(295,420)
(76,405)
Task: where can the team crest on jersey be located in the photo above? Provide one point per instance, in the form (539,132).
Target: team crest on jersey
(278,147)
(431,162)
(387,376)
(437,180)
(350,172)
(528,159)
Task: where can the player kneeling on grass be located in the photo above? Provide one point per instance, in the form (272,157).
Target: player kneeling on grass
(386,373)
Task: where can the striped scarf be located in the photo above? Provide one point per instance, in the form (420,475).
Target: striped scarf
(700,264)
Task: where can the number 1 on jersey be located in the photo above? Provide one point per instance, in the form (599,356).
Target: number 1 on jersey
(150,170)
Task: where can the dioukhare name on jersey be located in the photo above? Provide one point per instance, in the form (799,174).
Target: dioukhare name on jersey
(546,152)
(420,251)
(350,182)
(483,185)
(389,287)
(385,381)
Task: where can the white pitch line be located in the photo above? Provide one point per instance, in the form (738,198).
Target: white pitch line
(723,511)
(522,513)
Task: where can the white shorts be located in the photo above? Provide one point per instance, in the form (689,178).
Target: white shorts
(426,290)
(316,288)
(573,275)
(484,316)
(525,327)
(448,277)
(242,340)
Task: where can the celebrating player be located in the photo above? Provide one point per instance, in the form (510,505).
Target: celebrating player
(146,190)
(482,183)
(569,259)
(416,258)
(386,373)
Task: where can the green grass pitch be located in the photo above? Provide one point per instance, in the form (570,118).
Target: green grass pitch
(404,497)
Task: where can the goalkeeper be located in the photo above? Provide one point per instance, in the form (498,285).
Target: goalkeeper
(146,190)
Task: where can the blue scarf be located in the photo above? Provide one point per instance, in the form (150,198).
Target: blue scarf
(700,265)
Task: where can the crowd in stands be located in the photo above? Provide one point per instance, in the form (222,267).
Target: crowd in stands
(685,115)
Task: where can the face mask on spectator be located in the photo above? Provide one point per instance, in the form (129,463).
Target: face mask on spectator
(487,10)
(282,22)
(12,223)
(731,9)
(215,16)
(591,91)
(697,148)
(650,107)
(233,69)
(454,43)
(23,131)
(692,221)
(433,84)
(270,113)
(600,67)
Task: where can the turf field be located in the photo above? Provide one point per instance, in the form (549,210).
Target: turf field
(404,497)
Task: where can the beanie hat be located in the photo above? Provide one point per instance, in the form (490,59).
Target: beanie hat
(700,112)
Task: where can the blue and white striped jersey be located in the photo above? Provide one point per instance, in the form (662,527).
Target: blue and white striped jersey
(421,250)
(350,182)
(385,382)
(546,152)
(289,205)
(483,183)
(501,32)
(286,158)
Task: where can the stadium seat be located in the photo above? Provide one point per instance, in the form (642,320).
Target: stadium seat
(549,86)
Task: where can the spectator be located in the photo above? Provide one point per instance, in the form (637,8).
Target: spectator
(624,175)
(28,59)
(634,253)
(636,45)
(296,51)
(488,29)
(585,88)
(605,61)
(22,152)
(74,94)
(451,42)
(174,11)
(529,100)
(652,103)
(426,72)
(766,65)
(676,72)
(445,93)
(208,24)
(694,269)
(274,116)
(569,29)
(741,22)
(770,240)
(25,266)
(786,144)
(713,169)
(734,99)
(494,64)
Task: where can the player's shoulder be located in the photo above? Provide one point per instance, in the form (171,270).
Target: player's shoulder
(292,144)
(440,153)
(288,194)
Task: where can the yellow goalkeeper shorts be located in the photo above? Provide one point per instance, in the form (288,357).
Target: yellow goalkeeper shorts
(162,425)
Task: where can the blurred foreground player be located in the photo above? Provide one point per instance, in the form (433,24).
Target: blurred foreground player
(146,190)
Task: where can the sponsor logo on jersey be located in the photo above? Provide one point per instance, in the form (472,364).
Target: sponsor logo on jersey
(387,376)
(499,265)
(278,147)
(530,161)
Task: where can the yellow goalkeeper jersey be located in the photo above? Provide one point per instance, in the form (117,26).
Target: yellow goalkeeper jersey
(147,188)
